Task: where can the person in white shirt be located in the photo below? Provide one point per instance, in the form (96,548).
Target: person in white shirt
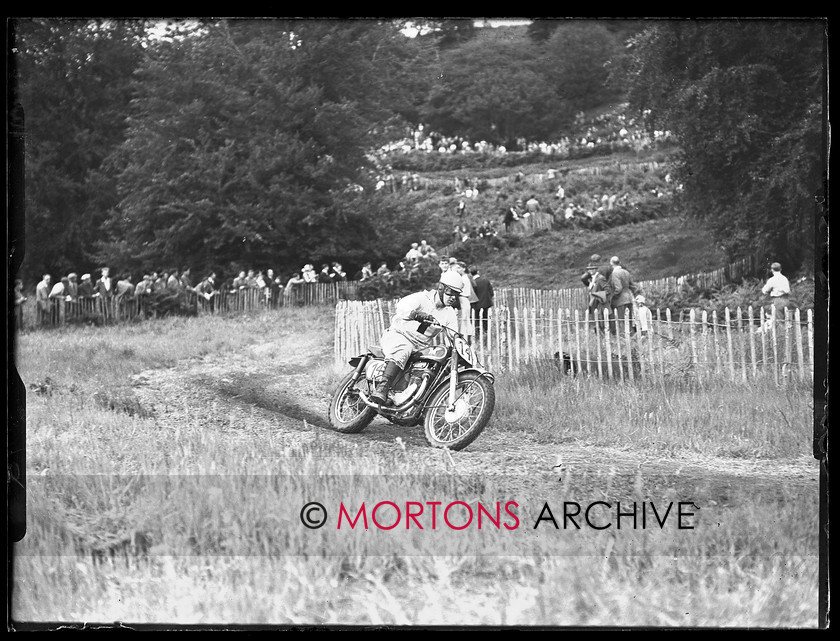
(778,287)
(412,327)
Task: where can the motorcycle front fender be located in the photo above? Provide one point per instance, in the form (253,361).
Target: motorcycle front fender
(445,382)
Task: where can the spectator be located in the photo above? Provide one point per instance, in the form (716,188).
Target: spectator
(144,287)
(240,282)
(465,299)
(426,250)
(622,290)
(383,269)
(59,290)
(461,209)
(366,272)
(260,281)
(172,281)
(273,287)
(644,317)
(125,288)
(413,254)
(85,287)
(42,299)
(186,280)
(293,285)
(309,274)
(338,274)
(159,282)
(532,206)
(206,288)
(510,217)
(596,279)
(72,287)
(484,293)
(324,274)
(20,299)
(103,286)
(443,263)
(778,287)
(251,279)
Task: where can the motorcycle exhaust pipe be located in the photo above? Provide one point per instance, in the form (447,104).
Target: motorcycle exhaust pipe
(424,383)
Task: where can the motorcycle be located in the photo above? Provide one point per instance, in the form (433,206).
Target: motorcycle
(443,386)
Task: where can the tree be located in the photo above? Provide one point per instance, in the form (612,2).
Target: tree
(745,100)
(492,91)
(245,143)
(576,60)
(72,81)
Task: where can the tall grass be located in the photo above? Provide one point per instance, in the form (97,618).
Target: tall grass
(188,511)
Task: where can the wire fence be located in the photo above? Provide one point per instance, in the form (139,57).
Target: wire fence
(737,345)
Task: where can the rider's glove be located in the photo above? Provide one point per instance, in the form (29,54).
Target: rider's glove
(421,317)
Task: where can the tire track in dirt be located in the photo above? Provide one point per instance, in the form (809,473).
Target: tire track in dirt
(277,384)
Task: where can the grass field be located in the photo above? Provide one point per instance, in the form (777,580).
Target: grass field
(186,509)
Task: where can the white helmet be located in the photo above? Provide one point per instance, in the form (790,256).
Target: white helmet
(452,280)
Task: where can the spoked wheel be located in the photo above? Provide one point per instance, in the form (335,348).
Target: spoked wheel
(475,398)
(348,412)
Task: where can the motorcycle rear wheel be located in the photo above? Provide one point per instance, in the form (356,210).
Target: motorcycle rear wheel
(348,413)
(475,400)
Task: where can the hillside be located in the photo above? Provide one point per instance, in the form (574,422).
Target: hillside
(643,227)
(650,250)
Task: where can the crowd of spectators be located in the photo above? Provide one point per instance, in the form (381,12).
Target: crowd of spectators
(614,129)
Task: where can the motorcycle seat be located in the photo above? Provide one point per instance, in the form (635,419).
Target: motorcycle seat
(376,351)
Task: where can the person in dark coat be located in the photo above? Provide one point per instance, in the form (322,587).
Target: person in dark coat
(484,290)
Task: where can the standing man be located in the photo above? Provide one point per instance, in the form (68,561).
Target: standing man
(596,280)
(484,292)
(85,287)
(465,299)
(621,288)
(42,299)
(104,287)
(778,287)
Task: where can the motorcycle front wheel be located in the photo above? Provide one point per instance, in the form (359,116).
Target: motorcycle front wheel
(475,399)
(348,412)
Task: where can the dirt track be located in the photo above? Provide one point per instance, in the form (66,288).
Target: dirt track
(276,384)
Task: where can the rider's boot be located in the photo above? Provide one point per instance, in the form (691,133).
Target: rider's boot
(380,394)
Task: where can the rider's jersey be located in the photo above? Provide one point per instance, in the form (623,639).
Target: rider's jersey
(421,333)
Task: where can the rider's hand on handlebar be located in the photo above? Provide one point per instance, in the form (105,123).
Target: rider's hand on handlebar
(422,317)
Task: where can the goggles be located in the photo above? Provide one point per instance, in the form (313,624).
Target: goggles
(448,291)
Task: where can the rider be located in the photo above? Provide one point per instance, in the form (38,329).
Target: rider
(411,327)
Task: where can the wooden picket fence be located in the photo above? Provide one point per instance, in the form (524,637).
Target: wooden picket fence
(737,345)
(117,309)
(578,297)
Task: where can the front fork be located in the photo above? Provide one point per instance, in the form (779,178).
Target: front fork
(453,380)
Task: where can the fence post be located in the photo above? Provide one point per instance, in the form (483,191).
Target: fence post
(693,342)
(617,325)
(774,338)
(629,344)
(743,344)
(577,339)
(509,342)
(608,349)
(788,366)
(729,346)
(516,322)
(752,340)
(798,336)
(811,341)
(763,336)
(586,339)
(560,332)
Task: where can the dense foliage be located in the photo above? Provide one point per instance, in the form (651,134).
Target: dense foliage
(246,142)
(746,101)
